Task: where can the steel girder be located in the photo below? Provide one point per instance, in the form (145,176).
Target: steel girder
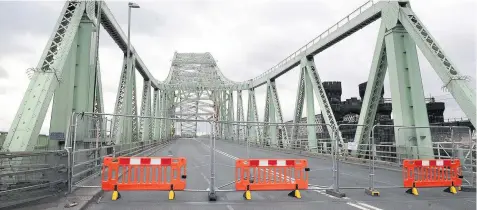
(397,49)
(57,59)
(126,129)
(311,75)
(200,70)
(253,132)
(156,112)
(372,95)
(194,72)
(146,123)
(456,83)
(239,129)
(230,115)
(273,114)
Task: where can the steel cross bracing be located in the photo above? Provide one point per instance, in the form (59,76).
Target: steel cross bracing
(195,84)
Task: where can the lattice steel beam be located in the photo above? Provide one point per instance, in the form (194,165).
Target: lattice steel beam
(145,126)
(311,72)
(298,111)
(26,125)
(457,84)
(239,129)
(372,95)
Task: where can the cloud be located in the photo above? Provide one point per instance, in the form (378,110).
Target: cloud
(246,37)
(3,73)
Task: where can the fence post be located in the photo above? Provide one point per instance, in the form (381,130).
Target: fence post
(212,194)
(371,154)
(335,157)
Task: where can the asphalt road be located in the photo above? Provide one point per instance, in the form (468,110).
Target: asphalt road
(197,153)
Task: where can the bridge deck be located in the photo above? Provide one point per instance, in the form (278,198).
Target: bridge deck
(197,153)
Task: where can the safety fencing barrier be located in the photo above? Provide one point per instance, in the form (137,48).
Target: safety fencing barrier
(391,145)
(431,173)
(143,173)
(301,138)
(30,176)
(91,138)
(379,150)
(88,146)
(271,174)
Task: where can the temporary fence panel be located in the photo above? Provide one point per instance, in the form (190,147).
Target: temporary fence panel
(144,173)
(431,173)
(91,137)
(271,174)
(31,175)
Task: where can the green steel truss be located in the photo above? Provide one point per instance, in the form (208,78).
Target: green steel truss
(69,75)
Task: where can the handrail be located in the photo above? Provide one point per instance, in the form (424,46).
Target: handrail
(327,32)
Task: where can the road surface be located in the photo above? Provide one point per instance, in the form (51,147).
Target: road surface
(197,153)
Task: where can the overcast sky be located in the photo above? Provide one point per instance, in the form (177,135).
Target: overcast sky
(246,37)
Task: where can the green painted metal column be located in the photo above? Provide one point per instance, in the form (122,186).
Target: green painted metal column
(240,116)
(230,115)
(145,126)
(310,107)
(25,128)
(272,112)
(156,113)
(371,97)
(63,100)
(81,77)
(298,111)
(409,107)
(253,130)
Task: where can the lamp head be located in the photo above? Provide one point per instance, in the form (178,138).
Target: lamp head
(133,5)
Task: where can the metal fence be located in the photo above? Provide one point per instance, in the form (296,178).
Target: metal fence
(288,137)
(292,136)
(92,137)
(383,151)
(29,176)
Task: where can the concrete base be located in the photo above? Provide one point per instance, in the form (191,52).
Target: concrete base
(212,196)
(335,193)
(371,192)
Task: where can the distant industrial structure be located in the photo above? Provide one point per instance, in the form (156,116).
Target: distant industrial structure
(347,112)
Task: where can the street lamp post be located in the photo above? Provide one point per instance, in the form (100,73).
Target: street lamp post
(128,51)
(130,5)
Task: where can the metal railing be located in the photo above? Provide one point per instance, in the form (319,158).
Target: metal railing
(327,32)
(29,176)
(448,142)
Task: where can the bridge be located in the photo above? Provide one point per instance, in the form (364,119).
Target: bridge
(199,114)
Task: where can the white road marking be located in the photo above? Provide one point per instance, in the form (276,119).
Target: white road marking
(322,192)
(229,207)
(206,179)
(362,206)
(357,206)
(369,206)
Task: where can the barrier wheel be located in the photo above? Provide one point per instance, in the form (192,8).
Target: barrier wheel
(212,196)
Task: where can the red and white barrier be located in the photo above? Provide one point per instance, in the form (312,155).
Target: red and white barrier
(272,162)
(446,162)
(144,161)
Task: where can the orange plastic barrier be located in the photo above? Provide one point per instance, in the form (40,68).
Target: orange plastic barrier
(271,174)
(432,173)
(143,173)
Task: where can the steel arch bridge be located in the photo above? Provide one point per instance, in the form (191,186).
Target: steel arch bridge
(68,74)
